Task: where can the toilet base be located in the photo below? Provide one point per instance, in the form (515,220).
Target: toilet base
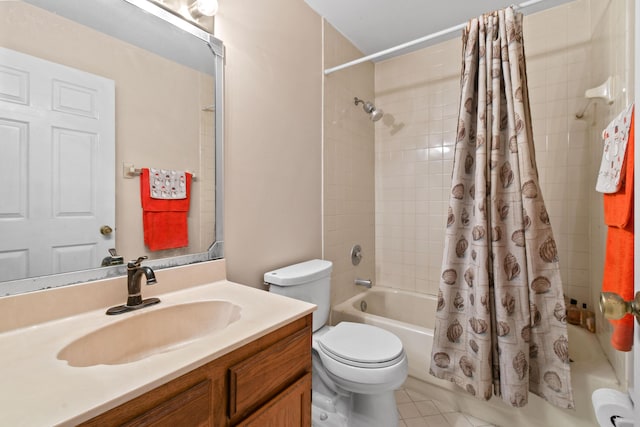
(356,410)
(374,410)
(320,417)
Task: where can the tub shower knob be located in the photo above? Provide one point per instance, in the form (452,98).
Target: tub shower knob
(614,307)
(356,254)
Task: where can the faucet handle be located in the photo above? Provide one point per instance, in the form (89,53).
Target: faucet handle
(136,263)
(112,259)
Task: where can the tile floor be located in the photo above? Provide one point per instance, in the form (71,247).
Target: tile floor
(416,410)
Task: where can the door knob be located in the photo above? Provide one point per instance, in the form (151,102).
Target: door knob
(105,230)
(614,307)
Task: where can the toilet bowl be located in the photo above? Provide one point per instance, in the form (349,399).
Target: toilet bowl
(356,367)
(362,358)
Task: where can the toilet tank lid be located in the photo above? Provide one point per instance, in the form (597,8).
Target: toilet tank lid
(298,274)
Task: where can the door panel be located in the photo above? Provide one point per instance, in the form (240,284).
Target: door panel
(13,161)
(72,177)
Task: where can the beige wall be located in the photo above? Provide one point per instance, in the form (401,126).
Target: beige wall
(273,135)
(348,167)
(159,121)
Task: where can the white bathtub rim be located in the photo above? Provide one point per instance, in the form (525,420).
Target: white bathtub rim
(347,306)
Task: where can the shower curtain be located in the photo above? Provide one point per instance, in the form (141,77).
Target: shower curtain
(500,320)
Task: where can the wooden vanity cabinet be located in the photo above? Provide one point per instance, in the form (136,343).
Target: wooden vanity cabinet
(264,383)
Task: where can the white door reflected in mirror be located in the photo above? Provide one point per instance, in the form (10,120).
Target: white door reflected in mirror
(57,125)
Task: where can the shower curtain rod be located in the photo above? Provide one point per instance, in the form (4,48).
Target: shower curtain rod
(415,42)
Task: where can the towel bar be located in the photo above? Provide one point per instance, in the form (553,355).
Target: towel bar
(130,171)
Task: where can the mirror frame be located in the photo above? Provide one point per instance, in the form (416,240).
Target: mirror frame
(216,250)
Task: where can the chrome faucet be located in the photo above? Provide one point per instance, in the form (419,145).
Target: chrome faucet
(363,282)
(134,281)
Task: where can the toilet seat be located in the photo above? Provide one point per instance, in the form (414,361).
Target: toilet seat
(361,345)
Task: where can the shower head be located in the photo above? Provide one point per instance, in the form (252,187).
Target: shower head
(375,114)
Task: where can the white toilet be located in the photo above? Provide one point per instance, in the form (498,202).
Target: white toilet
(356,367)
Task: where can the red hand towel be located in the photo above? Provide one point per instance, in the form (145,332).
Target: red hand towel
(618,266)
(164,221)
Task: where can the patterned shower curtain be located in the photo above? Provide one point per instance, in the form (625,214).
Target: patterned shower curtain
(501,320)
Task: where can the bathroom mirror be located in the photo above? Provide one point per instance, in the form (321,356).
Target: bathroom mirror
(158,102)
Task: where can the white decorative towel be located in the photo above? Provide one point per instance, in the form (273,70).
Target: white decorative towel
(167,184)
(615,138)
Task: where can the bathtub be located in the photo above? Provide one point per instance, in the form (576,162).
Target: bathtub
(411,316)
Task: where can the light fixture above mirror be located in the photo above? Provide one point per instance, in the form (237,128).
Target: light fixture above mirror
(196,12)
(200,8)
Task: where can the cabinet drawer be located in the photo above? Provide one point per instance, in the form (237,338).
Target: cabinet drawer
(192,407)
(260,377)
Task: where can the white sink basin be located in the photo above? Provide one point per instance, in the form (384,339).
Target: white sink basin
(145,333)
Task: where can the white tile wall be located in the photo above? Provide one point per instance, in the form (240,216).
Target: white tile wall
(558,63)
(348,167)
(414,156)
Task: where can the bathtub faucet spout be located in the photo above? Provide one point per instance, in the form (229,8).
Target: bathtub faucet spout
(363,282)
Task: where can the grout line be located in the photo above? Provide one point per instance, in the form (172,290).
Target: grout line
(409,404)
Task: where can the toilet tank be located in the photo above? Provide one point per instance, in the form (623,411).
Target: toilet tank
(308,281)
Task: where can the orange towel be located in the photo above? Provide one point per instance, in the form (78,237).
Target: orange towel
(618,266)
(164,221)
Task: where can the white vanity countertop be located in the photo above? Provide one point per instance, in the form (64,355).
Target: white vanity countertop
(37,389)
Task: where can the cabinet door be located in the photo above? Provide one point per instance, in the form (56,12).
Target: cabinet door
(291,408)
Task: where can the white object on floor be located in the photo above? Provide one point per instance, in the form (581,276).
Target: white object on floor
(612,408)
